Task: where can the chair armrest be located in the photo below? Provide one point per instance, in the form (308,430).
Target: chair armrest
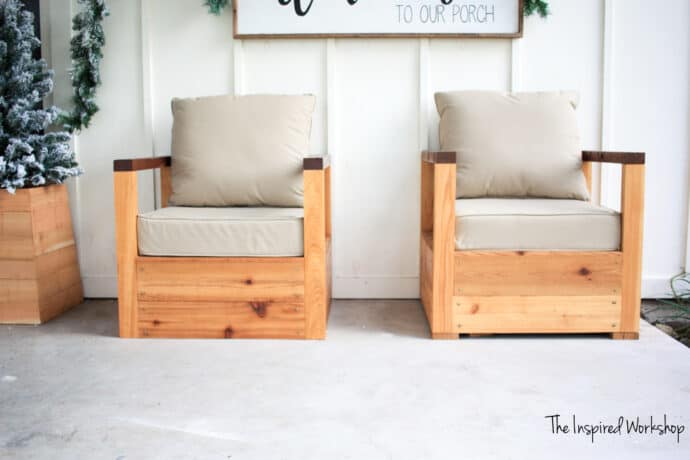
(632,224)
(625,158)
(439,158)
(141,164)
(317,163)
(438,197)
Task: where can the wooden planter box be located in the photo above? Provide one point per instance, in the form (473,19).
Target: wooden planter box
(39,269)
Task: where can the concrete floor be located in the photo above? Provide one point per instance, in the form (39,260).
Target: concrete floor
(378,388)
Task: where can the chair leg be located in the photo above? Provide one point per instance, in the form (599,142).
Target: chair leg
(625,335)
(316,285)
(444,336)
(126,238)
(632,209)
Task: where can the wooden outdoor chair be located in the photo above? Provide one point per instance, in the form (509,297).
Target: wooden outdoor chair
(237,255)
(495,260)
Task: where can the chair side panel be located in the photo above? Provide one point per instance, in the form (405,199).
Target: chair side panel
(537,292)
(220,297)
(510,273)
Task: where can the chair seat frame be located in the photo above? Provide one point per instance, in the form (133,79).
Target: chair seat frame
(529,292)
(223,297)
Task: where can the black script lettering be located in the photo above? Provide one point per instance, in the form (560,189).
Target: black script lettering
(556,427)
(302,10)
(299,9)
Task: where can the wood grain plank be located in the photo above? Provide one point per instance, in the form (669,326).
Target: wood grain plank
(52,221)
(329,204)
(427,197)
(126,211)
(443,247)
(444,336)
(316,163)
(54,263)
(141,164)
(19,202)
(587,171)
(60,300)
(509,273)
(166,185)
(16,234)
(632,210)
(39,269)
(189,279)
(228,320)
(426,275)
(59,281)
(18,269)
(536,314)
(315,283)
(625,335)
(19,302)
(329,277)
(426,239)
(439,157)
(614,157)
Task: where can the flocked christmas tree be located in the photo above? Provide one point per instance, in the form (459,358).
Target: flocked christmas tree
(30,154)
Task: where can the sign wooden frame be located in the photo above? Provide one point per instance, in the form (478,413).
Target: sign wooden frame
(237,10)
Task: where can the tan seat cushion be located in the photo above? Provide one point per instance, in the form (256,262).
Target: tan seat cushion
(222,232)
(240,151)
(513,145)
(535,224)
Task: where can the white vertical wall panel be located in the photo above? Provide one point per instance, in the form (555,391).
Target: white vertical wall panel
(290,67)
(650,88)
(116,132)
(376,205)
(192,56)
(565,52)
(608,172)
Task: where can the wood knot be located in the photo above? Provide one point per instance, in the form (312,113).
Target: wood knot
(584,271)
(156,322)
(475,308)
(259,308)
(520,253)
(249,282)
(228,332)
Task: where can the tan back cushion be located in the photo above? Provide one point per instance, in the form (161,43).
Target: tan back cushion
(513,145)
(240,151)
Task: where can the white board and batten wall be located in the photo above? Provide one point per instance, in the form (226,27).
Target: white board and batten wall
(629,61)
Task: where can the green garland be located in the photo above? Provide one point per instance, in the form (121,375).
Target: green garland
(216,6)
(86,52)
(537,6)
(531,6)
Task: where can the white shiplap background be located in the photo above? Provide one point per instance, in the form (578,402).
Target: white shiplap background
(629,60)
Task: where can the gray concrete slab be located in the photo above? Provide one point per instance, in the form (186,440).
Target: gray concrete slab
(378,388)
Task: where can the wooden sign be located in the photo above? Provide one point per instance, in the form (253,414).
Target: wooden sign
(377,18)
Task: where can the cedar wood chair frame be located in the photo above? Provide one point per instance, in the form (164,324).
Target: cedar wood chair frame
(527,292)
(224,297)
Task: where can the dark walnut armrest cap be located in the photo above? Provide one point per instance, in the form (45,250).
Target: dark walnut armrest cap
(141,164)
(442,158)
(317,163)
(625,158)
